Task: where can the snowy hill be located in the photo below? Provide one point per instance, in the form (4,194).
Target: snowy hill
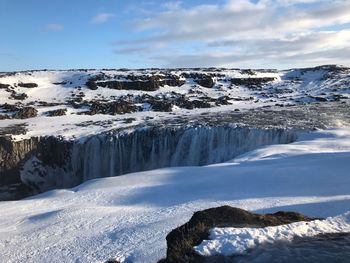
(128,217)
(78,103)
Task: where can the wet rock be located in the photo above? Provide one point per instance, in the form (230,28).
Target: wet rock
(27,85)
(26,112)
(180,241)
(58,112)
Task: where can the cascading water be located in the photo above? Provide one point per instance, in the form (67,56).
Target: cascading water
(115,154)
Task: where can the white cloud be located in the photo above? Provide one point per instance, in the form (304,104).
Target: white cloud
(54,27)
(243,31)
(102,18)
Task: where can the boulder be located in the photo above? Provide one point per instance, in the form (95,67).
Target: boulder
(180,241)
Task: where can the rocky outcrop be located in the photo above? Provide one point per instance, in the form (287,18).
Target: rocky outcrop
(251,81)
(58,112)
(4,86)
(112,108)
(131,82)
(18,96)
(180,241)
(27,85)
(203,80)
(26,112)
(52,152)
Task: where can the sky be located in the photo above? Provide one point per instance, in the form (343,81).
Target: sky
(66,34)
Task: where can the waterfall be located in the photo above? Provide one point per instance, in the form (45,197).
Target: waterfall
(146,149)
(118,153)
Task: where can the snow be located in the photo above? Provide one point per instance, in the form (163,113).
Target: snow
(236,241)
(128,217)
(50,89)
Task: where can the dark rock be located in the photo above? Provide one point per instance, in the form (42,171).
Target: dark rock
(9,107)
(28,85)
(322,99)
(180,241)
(112,108)
(4,117)
(26,112)
(164,106)
(203,80)
(58,112)
(60,83)
(19,96)
(251,81)
(91,84)
(4,86)
(184,102)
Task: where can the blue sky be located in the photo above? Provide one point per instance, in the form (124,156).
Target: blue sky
(38,34)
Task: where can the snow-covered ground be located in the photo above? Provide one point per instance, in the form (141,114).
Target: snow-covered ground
(57,89)
(237,241)
(128,217)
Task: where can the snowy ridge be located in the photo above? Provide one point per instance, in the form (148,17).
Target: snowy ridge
(65,104)
(128,217)
(236,241)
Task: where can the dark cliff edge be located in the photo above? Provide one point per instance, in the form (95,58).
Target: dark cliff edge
(52,151)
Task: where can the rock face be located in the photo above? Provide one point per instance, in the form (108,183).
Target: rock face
(52,151)
(203,80)
(180,241)
(144,83)
(46,163)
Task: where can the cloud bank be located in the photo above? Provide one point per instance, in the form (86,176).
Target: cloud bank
(263,33)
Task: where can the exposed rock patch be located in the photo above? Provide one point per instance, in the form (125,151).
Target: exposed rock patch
(203,80)
(27,85)
(180,241)
(58,112)
(112,108)
(26,112)
(251,81)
